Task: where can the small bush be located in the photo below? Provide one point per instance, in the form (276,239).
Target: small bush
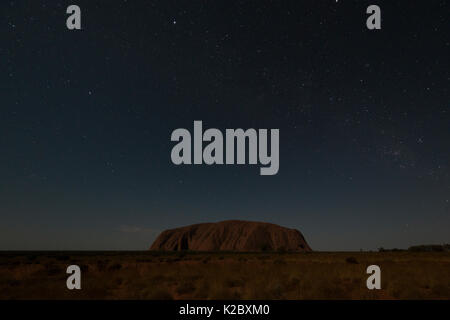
(54,270)
(62,258)
(231,283)
(161,295)
(14,283)
(351,260)
(279,261)
(206,260)
(185,288)
(115,267)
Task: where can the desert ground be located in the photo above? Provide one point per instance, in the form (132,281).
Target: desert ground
(222,275)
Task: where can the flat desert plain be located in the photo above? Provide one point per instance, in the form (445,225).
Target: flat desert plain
(224,275)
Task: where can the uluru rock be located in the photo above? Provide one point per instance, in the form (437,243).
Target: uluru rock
(232,235)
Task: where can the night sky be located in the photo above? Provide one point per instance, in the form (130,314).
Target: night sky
(86,118)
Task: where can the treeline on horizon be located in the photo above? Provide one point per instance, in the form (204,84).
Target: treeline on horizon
(421,248)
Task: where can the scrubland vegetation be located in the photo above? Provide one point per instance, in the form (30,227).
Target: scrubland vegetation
(220,275)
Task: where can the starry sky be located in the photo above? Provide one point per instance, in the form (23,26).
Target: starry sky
(86,118)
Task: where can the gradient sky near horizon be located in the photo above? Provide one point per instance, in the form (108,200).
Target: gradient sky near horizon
(86,118)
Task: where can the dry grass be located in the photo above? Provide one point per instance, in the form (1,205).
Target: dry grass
(152,275)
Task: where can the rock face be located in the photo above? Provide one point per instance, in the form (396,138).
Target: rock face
(232,235)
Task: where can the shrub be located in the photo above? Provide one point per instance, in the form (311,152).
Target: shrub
(161,295)
(114,267)
(186,287)
(351,260)
(54,270)
(279,261)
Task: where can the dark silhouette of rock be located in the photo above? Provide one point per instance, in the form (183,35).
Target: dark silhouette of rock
(232,235)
